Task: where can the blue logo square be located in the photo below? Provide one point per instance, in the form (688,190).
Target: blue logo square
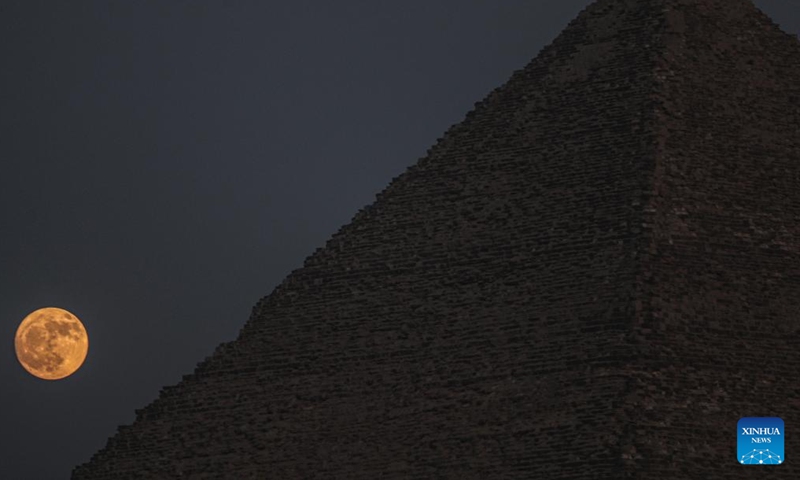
(760,441)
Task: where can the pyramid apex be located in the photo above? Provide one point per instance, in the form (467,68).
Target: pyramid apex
(594,274)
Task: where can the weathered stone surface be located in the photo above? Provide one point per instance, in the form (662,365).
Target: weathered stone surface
(594,275)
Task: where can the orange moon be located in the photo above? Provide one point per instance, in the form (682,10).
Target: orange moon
(51,343)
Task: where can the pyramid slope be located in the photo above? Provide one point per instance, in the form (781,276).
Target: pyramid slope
(717,326)
(569,285)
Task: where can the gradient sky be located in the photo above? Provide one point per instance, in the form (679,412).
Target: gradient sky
(165,164)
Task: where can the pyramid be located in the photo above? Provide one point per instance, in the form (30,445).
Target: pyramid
(595,274)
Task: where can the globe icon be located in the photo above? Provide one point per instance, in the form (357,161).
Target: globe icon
(761,456)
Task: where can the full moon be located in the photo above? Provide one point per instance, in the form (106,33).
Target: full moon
(51,343)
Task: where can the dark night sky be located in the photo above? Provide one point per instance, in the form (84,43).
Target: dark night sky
(165,164)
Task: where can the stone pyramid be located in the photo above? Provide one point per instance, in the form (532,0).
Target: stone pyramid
(595,275)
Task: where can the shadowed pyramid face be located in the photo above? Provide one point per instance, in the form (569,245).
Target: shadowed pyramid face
(594,274)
